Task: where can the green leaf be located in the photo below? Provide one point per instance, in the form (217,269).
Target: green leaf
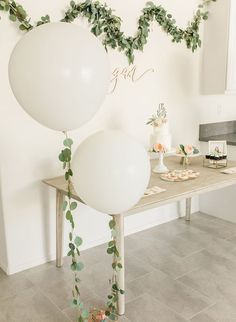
(72,246)
(72,4)
(78,241)
(12,18)
(66,154)
(73,205)
(113,317)
(21,12)
(79,266)
(73,266)
(70,236)
(150,3)
(110,251)
(70,172)
(111,243)
(68,142)
(112,224)
(85,314)
(61,157)
(114,287)
(68,215)
(74,303)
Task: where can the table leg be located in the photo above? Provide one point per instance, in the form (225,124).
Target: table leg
(121,274)
(188,209)
(59,227)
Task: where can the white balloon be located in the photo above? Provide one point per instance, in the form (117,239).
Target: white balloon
(111,171)
(59,73)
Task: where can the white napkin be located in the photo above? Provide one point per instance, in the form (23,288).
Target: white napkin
(153,190)
(229,171)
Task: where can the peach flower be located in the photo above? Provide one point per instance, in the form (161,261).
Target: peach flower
(188,149)
(158,147)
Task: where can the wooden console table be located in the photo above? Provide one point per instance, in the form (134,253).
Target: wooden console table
(209,180)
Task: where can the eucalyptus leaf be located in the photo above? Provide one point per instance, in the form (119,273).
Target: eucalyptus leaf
(78,241)
(79,266)
(68,142)
(73,205)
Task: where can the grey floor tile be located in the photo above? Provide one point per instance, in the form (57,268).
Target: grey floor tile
(13,285)
(164,258)
(135,268)
(183,247)
(215,286)
(214,227)
(168,230)
(223,248)
(2,274)
(147,308)
(30,306)
(222,311)
(181,299)
(135,242)
(201,255)
(123,319)
(215,263)
(201,216)
(232,239)
(198,236)
(56,284)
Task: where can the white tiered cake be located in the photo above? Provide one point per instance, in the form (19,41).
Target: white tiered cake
(160,126)
(161,135)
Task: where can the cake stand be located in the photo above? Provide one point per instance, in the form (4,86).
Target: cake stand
(160,167)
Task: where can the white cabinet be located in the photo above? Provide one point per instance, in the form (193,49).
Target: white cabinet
(219,49)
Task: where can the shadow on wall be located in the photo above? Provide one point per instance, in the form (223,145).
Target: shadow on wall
(45,210)
(3,246)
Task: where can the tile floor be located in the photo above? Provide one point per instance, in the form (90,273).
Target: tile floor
(175,272)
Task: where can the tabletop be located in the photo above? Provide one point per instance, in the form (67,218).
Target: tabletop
(209,180)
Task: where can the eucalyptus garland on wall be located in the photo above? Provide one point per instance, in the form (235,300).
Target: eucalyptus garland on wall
(108,26)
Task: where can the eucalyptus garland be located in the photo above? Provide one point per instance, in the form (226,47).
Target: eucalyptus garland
(108,26)
(74,241)
(112,249)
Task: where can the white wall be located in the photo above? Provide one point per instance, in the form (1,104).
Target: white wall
(29,151)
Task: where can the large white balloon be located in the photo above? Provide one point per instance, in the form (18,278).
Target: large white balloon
(59,73)
(111,171)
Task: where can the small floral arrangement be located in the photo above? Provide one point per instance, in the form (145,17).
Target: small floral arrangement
(159,118)
(97,316)
(159,148)
(187,150)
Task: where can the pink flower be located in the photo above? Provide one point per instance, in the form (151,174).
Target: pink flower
(188,149)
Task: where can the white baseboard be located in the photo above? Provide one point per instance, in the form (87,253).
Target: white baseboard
(29,264)
(133,224)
